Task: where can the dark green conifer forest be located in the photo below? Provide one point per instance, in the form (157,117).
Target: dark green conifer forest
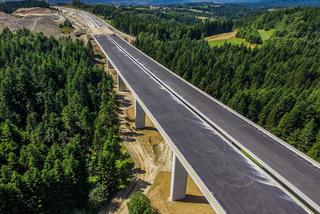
(60,148)
(59,142)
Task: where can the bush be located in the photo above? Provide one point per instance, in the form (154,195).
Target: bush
(98,196)
(67,23)
(139,204)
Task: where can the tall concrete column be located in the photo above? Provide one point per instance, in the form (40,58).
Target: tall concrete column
(139,116)
(121,84)
(109,66)
(178,180)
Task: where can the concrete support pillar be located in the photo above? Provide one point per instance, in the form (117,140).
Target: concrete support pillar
(109,66)
(139,116)
(121,84)
(179,178)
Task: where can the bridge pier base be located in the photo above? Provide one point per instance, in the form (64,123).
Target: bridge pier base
(178,180)
(121,84)
(109,65)
(139,116)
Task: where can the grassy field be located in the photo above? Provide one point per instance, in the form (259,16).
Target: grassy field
(265,35)
(234,41)
(220,39)
(222,36)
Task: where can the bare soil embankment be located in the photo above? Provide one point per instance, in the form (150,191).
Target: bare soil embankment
(34,11)
(194,202)
(49,25)
(44,20)
(222,36)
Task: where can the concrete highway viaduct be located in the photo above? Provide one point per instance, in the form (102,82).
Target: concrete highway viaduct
(211,142)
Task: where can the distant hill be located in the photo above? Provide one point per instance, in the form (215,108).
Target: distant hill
(157,2)
(153,2)
(133,2)
(288,2)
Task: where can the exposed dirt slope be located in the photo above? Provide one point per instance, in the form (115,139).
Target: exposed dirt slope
(34,11)
(222,36)
(194,202)
(7,20)
(38,20)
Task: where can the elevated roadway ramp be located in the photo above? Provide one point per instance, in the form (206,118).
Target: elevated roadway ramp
(228,179)
(289,166)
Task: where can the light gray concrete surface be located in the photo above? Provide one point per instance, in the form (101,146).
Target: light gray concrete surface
(121,85)
(179,178)
(228,179)
(139,116)
(109,65)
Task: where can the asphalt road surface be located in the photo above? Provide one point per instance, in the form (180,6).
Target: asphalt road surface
(292,168)
(237,184)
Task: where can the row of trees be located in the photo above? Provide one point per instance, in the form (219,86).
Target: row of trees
(59,142)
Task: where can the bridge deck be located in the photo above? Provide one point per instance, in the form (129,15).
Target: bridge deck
(299,173)
(230,182)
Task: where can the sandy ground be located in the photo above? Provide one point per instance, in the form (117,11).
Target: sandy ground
(222,36)
(38,20)
(194,202)
(34,11)
(47,23)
